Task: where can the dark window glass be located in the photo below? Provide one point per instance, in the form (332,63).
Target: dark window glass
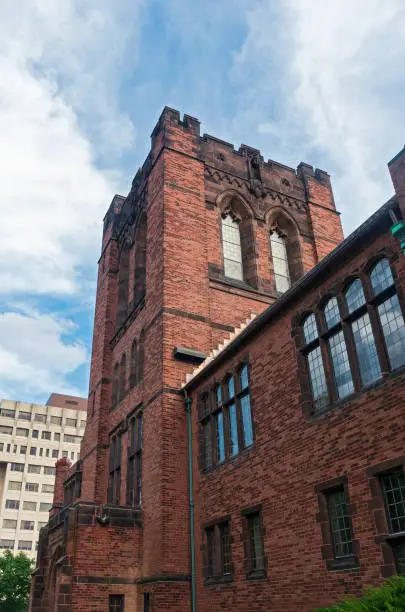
(220,443)
(341,365)
(226,564)
(233,430)
(246,411)
(115,470)
(134,474)
(394,493)
(340,524)
(256,551)
(116,603)
(399,553)
(210,551)
(367,356)
(310,329)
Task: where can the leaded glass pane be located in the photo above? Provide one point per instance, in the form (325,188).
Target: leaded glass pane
(246,420)
(232,248)
(310,329)
(220,451)
(339,523)
(233,431)
(317,378)
(331,313)
(218,395)
(394,492)
(244,377)
(280,262)
(369,364)
(341,365)
(256,542)
(381,276)
(226,565)
(355,296)
(231,387)
(210,535)
(393,327)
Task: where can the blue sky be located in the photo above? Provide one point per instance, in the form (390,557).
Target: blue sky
(83,83)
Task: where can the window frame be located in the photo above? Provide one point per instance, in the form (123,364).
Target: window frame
(114,470)
(208,411)
(251,572)
(134,459)
(116,603)
(213,551)
(346,320)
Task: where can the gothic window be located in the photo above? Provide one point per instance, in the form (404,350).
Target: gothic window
(254,548)
(134,476)
(123,376)
(140,261)
(226,426)
(123,286)
(115,385)
(134,364)
(114,484)
(361,335)
(141,357)
(217,551)
(233,265)
(279,254)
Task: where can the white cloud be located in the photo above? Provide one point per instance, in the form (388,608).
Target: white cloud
(330,75)
(36,354)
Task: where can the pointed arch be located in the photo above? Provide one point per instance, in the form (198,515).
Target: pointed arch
(285,249)
(238,237)
(123,286)
(140,260)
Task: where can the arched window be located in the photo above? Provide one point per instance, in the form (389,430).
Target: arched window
(123,376)
(141,357)
(134,364)
(233,265)
(389,312)
(362,335)
(140,261)
(115,385)
(314,360)
(123,287)
(280,261)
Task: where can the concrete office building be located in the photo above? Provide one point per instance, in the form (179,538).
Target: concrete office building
(32,438)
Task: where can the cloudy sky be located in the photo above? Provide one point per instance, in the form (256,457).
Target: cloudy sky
(82,85)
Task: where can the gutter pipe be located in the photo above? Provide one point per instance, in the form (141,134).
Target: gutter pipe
(187,405)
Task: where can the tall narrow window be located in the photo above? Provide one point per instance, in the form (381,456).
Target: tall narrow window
(206,422)
(115,385)
(389,311)
(225,539)
(254,545)
(123,287)
(393,485)
(340,523)
(366,351)
(246,411)
(315,364)
(338,351)
(233,266)
(134,364)
(233,444)
(140,261)
(115,470)
(219,423)
(210,552)
(134,477)
(280,261)
(217,551)
(116,603)
(123,376)
(141,357)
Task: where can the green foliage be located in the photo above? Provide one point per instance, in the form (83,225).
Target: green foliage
(15,580)
(390,597)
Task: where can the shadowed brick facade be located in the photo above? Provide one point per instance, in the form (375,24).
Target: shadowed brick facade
(163,303)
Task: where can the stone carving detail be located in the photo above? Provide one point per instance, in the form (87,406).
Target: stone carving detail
(230,212)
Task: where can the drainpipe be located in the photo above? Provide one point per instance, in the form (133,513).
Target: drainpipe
(187,405)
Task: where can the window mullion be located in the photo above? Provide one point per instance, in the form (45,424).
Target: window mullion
(226,428)
(351,351)
(239,423)
(378,339)
(327,366)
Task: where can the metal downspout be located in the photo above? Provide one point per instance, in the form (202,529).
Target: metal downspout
(187,404)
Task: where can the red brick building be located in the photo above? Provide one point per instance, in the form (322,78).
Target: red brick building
(296,423)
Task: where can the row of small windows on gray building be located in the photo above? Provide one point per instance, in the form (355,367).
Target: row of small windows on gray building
(33,487)
(54,452)
(355,337)
(22,544)
(48,470)
(14,504)
(41,418)
(45,435)
(232,251)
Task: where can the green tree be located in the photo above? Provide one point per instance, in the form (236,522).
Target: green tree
(15,580)
(390,597)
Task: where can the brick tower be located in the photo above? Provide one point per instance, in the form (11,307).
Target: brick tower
(207,236)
